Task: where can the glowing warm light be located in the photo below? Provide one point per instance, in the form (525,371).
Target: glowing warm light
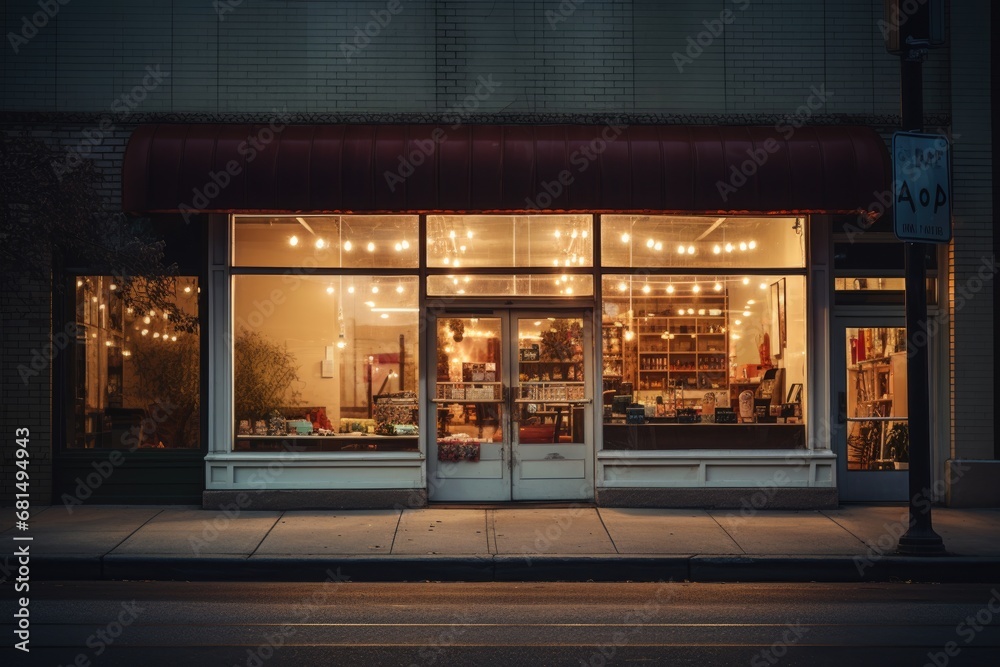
(746,281)
(112,287)
(187,290)
(79,283)
(681,250)
(569,290)
(646,289)
(690,249)
(670,289)
(399,247)
(371,247)
(447,260)
(729,247)
(348,245)
(717,287)
(374,289)
(690,311)
(625,238)
(558,234)
(629,334)
(622,286)
(750,302)
(752,245)
(399,289)
(650,243)
(406,245)
(341,344)
(584,233)
(734,336)
(384,316)
(329,290)
(658,246)
(320,243)
(696,289)
(452,234)
(743,245)
(716,249)
(746,313)
(573,235)
(763,285)
(156,334)
(146,320)
(294,241)
(173,339)
(737,322)
(107,343)
(680,311)
(468,234)
(144,332)
(350,289)
(701,311)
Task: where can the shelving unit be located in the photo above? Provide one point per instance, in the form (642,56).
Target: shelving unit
(876,395)
(611,357)
(680,343)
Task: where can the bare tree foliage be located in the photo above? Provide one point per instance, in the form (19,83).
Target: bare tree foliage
(265,374)
(49,220)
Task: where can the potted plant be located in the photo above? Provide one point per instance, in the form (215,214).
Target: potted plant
(898,442)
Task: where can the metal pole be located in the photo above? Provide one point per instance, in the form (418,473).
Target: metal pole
(920,538)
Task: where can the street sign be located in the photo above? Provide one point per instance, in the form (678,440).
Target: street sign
(921,187)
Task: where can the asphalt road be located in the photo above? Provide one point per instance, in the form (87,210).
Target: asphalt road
(147,624)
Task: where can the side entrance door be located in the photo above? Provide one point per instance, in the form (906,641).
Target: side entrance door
(871,435)
(511,406)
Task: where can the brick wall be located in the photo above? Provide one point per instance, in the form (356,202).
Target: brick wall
(972,342)
(550,56)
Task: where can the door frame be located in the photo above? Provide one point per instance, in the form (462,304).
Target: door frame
(442,484)
(859,485)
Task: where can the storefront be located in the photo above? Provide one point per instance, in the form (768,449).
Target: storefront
(627,315)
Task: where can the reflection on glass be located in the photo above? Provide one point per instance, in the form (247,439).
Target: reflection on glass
(550,380)
(499,241)
(878,430)
(330,362)
(136,375)
(702,241)
(469,373)
(330,241)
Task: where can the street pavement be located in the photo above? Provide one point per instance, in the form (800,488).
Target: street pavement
(535,543)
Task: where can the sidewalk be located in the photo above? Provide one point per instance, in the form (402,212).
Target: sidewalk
(853,543)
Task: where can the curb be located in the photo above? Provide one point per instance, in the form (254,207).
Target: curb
(512,568)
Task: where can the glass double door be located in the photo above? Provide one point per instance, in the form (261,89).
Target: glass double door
(512,406)
(871,434)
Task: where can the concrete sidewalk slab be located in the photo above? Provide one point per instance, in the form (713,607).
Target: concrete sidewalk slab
(200,532)
(441,531)
(971,532)
(571,530)
(658,531)
(331,532)
(804,532)
(58,518)
(74,542)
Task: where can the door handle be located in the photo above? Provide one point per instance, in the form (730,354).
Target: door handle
(841,407)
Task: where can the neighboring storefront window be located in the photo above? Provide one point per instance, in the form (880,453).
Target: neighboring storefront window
(687,355)
(325,363)
(136,376)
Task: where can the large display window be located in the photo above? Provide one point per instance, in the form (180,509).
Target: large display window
(708,360)
(325,363)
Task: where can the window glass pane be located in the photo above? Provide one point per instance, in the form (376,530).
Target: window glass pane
(706,242)
(135,376)
(706,351)
(511,285)
(345,241)
(470,377)
(325,364)
(483,241)
(878,436)
(855,284)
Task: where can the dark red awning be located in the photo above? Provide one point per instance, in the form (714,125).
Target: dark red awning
(510,168)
